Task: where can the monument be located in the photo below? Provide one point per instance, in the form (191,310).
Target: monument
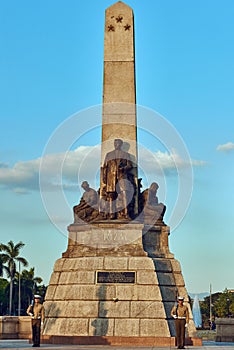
(117,281)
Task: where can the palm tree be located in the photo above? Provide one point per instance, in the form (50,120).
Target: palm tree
(9,257)
(30,282)
(2,266)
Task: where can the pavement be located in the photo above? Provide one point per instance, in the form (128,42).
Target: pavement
(24,344)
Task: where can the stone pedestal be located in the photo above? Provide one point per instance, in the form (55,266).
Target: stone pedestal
(83,307)
(9,327)
(224,330)
(24,327)
(15,327)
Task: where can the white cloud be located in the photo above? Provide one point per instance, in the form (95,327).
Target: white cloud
(71,168)
(165,162)
(23,175)
(81,163)
(3,165)
(226,147)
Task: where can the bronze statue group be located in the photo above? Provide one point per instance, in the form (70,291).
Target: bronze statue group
(119,196)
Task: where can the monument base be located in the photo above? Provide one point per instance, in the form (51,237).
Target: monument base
(118,341)
(116,284)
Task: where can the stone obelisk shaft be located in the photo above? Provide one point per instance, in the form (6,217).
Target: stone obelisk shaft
(119,91)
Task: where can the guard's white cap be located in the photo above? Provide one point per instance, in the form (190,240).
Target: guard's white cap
(37,296)
(180,298)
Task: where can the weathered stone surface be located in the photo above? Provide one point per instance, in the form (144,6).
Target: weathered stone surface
(151,292)
(111,309)
(15,327)
(141,264)
(224,329)
(24,327)
(166,279)
(52,309)
(125,327)
(84,263)
(179,280)
(8,327)
(77,277)
(74,309)
(118,110)
(147,277)
(68,326)
(105,239)
(50,291)
(163,265)
(157,327)
(115,263)
(54,278)
(101,327)
(168,293)
(116,75)
(84,292)
(58,265)
(147,309)
(176,265)
(126,293)
(155,241)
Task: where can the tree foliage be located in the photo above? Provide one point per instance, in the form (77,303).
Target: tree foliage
(10,257)
(25,282)
(222,305)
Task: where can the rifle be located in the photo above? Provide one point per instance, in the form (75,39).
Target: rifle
(32,306)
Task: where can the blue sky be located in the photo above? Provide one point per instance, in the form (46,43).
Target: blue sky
(51,67)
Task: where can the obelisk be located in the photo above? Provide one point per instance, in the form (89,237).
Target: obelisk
(119,88)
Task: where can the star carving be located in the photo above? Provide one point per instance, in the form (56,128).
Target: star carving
(127,27)
(119,19)
(111,28)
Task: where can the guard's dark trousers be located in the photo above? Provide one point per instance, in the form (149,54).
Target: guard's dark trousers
(36,332)
(180,332)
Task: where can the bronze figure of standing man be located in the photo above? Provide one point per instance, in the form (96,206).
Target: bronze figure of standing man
(116,167)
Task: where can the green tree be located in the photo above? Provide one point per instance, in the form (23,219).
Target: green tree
(224,305)
(29,284)
(231,308)
(2,266)
(10,257)
(3,297)
(205,311)
(30,281)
